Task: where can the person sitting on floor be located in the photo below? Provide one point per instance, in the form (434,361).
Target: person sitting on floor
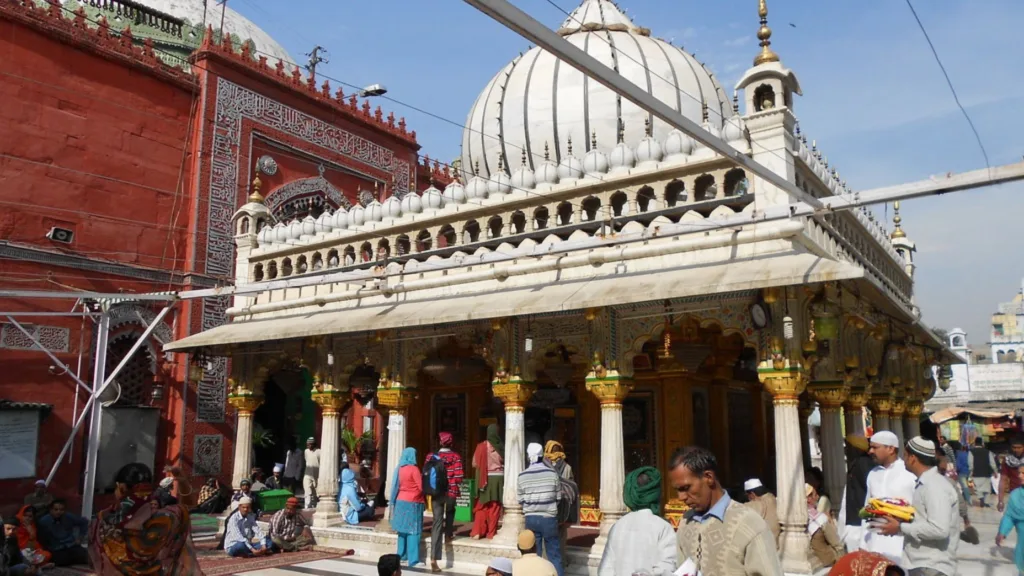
(245,491)
(63,533)
(351,506)
(212,498)
(11,560)
(289,530)
(276,481)
(243,537)
(39,499)
(28,539)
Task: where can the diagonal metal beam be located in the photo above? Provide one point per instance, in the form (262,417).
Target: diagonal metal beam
(99,386)
(523,24)
(65,367)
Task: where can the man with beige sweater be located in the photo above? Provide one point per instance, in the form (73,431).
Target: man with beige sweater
(718,536)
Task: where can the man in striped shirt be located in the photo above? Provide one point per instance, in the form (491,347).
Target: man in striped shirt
(538,493)
(444,507)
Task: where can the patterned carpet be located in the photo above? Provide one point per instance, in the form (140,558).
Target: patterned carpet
(221,565)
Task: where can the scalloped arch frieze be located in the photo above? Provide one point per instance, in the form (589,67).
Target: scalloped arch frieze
(279,197)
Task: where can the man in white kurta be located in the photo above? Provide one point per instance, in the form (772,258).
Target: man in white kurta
(312,472)
(890,479)
(641,541)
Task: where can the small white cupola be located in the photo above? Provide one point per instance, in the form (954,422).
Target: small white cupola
(768,85)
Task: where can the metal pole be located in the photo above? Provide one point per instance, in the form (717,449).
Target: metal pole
(94,393)
(523,24)
(67,369)
(96,416)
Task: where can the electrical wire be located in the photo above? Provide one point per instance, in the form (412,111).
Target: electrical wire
(949,82)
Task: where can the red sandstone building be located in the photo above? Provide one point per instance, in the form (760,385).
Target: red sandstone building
(128,137)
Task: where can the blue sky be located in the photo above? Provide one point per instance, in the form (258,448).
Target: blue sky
(874,100)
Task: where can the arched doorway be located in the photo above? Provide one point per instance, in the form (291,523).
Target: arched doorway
(287,414)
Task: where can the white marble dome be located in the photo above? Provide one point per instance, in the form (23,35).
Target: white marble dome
(193,11)
(537,98)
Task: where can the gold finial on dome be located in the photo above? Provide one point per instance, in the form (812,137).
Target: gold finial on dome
(764,34)
(547,153)
(704,110)
(897,220)
(256,197)
(476,168)
(501,162)
(593,140)
(570,146)
(622,131)
(647,126)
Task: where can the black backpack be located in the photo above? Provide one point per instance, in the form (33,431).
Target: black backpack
(435,478)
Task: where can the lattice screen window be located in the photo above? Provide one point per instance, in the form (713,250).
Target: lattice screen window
(136,378)
(54,338)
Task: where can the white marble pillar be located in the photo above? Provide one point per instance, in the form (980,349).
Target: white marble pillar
(327,482)
(512,520)
(396,399)
(396,444)
(896,425)
(246,405)
(613,469)
(786,385)
(611,389)
(833,454)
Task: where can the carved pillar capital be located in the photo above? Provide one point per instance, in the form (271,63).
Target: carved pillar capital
(245,402)
(830,394)
(914,409)
(881,403)
(898,408)
(513,393)
(396,400)
(784,382)
(331,401)
(610,387)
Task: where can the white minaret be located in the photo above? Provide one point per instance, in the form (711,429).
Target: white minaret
(904,247)
(247,223)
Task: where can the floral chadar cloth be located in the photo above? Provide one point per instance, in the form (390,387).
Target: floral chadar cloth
(138,537)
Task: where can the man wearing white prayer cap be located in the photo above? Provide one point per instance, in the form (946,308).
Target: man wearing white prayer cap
(764,503)
(889,479)
(243,537)
(276,482)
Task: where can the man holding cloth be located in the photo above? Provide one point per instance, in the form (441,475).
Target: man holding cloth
(889,479)
(930,540)
(538,491)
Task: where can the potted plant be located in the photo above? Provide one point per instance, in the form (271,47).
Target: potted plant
(352,441)
(261,438)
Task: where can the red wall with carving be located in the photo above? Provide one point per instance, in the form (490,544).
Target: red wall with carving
(98,136)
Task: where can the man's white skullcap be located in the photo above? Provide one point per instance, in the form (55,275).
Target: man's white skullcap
(885,438)
(752,484)
(534,451)
(244,500)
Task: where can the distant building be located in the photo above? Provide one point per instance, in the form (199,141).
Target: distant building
(998,377)
(1008,330)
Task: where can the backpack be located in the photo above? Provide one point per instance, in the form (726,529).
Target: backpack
(435,478)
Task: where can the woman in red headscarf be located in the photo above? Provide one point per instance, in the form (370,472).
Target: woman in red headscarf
(28,539)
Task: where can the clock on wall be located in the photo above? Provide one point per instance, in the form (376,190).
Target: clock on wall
(759,316)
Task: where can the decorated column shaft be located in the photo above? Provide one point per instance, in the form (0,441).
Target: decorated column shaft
(896,411)
(856,399)
(396,399)
(881,405)
(830,395)
(611,389)
(912,419)
(785,382)
(246,402)
(514,394)
(331,402)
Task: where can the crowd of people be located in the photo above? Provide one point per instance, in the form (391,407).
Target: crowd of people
(147,529)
